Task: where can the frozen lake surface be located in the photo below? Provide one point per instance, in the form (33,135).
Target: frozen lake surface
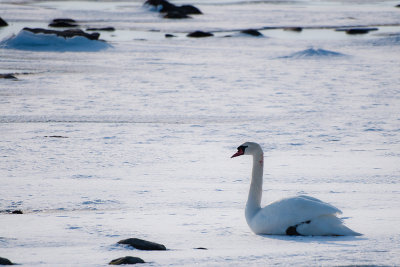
(135,140)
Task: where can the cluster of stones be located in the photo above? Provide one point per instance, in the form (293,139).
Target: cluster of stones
(71,23)
(135,243)
(66,33)
(69,33)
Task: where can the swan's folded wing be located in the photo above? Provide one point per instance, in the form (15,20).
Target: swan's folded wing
(323,207)
(314,206)
(292,211)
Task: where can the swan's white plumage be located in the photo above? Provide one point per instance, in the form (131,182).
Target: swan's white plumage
(307,215)
(279,215)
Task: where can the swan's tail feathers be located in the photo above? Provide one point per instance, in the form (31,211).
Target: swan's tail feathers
(351,232)
(326,225)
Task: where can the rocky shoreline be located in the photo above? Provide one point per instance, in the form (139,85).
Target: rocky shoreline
(135,243)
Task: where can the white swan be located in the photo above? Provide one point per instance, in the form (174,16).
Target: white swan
(301,215)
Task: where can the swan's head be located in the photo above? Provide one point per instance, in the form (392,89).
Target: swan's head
(248,148)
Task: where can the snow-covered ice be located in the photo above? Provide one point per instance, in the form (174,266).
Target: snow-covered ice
(26,40)
(135,140)
(314,53)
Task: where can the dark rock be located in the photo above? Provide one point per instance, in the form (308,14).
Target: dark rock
(4,261)
(142,244)
(126,260)
(66,34)
(168,35)
(359,30)
(199,34)
(293,29)
(252,32)
(65,20)
(176,14)
(189,9)
(17,212)
(63,23)
(55,136)
(162,5)
(356,30)
(106,29)
(201,248)
(173,11)
(8,76)
(167,6)
(3,22)
(153,2)
(398,5)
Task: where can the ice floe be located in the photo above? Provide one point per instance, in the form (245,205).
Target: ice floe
(52,41)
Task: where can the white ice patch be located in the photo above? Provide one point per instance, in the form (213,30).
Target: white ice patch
(26,40)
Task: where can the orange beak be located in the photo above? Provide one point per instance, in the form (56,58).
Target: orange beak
(239,153)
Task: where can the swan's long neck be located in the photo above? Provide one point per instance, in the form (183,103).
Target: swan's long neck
(254,200)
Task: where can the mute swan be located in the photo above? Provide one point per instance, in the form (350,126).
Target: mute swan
(301,215)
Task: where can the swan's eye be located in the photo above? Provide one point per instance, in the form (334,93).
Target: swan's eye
(242,148)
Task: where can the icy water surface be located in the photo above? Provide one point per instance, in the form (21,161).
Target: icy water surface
(135,140)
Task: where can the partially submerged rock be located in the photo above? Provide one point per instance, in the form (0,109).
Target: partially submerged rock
(4,261)
(17,212)
(252,32)
(8,211)
(293,29)
(200,34)
(142,244)
(8,76)
(64,20)
(360,30)
(176,14)
(3,23)
(356,30)
(106,29)
(66,34)
(126,260)
(160,5)
(63,23)
(173,11)
(189,9)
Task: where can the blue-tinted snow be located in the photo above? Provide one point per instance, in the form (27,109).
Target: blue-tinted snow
(26,40)
(315,54)
(391,40)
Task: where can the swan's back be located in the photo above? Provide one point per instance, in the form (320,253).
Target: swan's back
(301,215)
